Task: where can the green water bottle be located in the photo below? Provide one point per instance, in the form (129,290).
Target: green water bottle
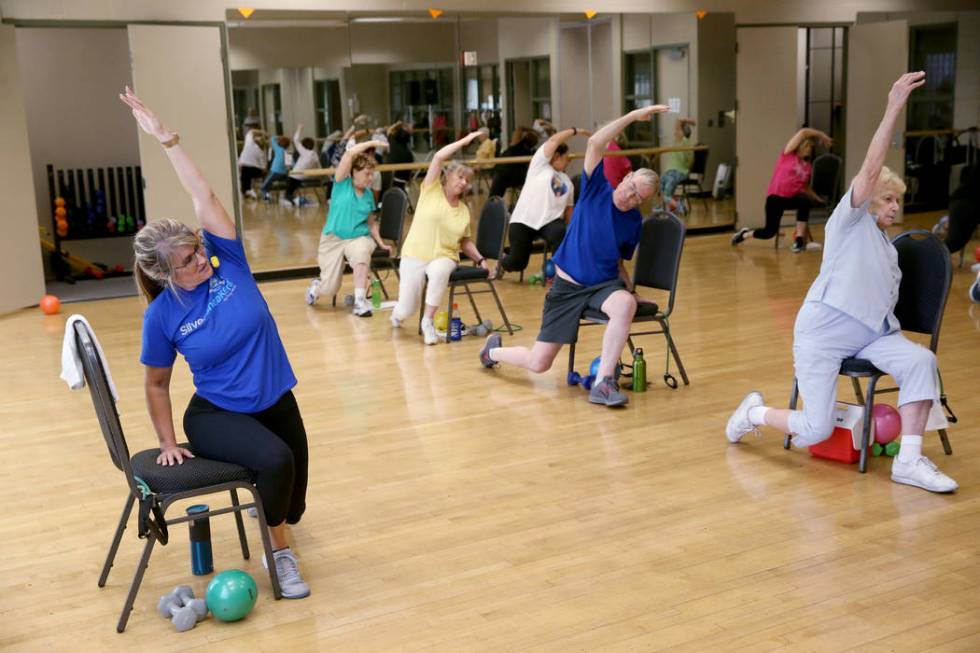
(376,293)
(639,371)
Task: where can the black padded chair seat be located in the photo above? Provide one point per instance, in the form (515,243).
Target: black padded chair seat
(468,273)
(858,366)
(382,253)
(643,310)
(192,474)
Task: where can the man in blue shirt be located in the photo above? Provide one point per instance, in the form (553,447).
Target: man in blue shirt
(605,230)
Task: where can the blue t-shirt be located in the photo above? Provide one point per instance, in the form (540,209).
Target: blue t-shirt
(225,332)
(599,233)
(348,215)
(278,159)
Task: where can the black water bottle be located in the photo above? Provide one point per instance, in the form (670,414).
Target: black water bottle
(202,563)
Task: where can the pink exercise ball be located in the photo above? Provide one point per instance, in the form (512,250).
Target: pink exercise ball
(888,423)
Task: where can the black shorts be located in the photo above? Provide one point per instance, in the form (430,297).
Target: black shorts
(564,305)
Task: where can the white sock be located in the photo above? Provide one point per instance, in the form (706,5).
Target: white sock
(910,448)
(360,294)
(757,415)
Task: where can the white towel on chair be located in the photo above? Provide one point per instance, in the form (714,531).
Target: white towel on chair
(71,362)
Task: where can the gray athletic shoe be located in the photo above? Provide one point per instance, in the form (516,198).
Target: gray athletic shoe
(287,569)
(739,423)
(607,392)
(493,341)
(740,235)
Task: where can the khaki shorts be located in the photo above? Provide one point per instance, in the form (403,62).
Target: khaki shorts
(331,255)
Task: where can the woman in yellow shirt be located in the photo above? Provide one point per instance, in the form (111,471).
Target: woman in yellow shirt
(440,230)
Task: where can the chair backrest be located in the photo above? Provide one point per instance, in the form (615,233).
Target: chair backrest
(394,206)
(105,405)
(700,163)
(492,228)
(927,273)
(826,177)
(658,257)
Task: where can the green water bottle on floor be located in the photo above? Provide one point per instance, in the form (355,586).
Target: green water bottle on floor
(376,293)
(639,371)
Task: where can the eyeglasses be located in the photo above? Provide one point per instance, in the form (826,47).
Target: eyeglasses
(199,250)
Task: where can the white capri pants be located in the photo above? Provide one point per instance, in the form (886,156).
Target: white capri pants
(823,338)
(413,272)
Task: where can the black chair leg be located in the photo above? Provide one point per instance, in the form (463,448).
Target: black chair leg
(384,291)
(449,310)
(134,588)
(240,524)
(945,440)
(473,305)
(866,427)
(794,397)
(673,350)
(267,545)
(500,307)
(571,358)
(857,389)
(117,538)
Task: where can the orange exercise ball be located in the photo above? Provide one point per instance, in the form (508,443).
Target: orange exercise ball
(59,201)
(50,305)
(60,212)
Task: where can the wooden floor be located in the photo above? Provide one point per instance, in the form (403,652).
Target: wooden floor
(453,508)
(278,238)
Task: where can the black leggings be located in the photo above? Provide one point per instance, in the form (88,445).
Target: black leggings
(271,444)
(775,206)
(963,218)
(248,173)
(521,237)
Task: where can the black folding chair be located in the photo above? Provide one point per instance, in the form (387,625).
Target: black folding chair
(490,242)
(692,187)
(394,206)
(927,273)
(155,487)
(658,262)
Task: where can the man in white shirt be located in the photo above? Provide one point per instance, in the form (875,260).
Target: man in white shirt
(306,159)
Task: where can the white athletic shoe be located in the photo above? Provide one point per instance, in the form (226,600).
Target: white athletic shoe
(813,246)
(922,473)
(283,202)
(429,334)
(311,292)
(395,322)
(739,423)
(250,194)
(361,308)
(287,569)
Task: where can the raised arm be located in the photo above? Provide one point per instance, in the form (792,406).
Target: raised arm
(296,140)
(446,153)
(558,138)
(867,176)
(598,142)
(806,132)
(344,167)
(210,214)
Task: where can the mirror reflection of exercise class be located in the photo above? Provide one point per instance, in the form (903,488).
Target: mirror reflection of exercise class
(431,82)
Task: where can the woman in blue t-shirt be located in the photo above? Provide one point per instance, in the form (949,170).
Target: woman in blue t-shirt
(204,303)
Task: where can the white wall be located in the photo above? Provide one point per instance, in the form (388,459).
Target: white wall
(74,117)
(480,35)
(20,256)
(715,90)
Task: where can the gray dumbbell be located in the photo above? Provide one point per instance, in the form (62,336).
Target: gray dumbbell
(480,330)
(183,610)
(348,300)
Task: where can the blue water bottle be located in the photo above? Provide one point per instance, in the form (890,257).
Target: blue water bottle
(455,324)
(202,563)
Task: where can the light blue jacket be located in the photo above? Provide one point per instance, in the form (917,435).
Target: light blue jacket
(859,274)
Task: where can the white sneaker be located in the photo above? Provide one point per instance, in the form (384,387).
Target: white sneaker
(251,195)
(287,569)
(813,246)
(739,423)
(395,322)
(361,308)
(286,203)
(311,295)
(429,334)
(922,473)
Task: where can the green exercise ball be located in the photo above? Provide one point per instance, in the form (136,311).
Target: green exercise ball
(231,595)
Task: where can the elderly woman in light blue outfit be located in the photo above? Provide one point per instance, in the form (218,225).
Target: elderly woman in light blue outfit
(849,312)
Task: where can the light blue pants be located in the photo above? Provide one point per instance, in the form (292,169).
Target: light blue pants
(823,337)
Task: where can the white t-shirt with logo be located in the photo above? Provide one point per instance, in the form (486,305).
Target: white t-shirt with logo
(545,195)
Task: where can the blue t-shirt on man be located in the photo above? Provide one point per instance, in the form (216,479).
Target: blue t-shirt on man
(225,332)
(599,234)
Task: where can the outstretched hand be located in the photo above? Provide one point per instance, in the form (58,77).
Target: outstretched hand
(646,113)
(146,119)
(904,86)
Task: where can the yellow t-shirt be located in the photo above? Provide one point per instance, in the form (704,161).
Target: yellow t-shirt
(437,226)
